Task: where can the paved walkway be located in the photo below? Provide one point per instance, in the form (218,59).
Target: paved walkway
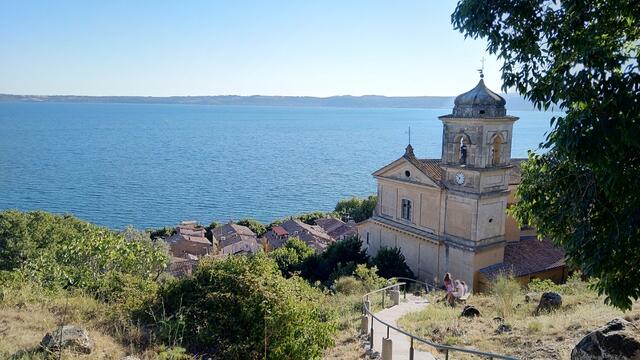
(401,343)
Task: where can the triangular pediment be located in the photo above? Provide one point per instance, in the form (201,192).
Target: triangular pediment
(399,169)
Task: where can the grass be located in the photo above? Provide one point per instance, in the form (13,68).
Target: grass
(27,313)
(546,336)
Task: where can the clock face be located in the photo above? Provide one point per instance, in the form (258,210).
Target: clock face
(460,178)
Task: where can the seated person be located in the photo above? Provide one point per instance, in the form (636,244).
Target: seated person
(456,294)
(466,288)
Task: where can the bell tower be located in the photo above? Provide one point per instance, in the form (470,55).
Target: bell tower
(476,159)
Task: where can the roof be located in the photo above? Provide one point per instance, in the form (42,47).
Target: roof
(180,235)
(280,231)
(232,233)
(433,169)
(527,256)
(337,228)
(313,235)
(480,95)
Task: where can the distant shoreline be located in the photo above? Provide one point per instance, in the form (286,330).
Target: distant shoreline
(514,102)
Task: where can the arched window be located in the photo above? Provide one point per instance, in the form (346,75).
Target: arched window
(494,152)
(461,148)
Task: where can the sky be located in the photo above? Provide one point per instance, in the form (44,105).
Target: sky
(239,47)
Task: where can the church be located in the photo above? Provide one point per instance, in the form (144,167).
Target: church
(449,214)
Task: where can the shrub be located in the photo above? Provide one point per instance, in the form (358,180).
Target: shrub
(540,286)
(341,255)
(348,285)
(369,277)
(290,257)
(62,251)
(505,288)
(392,263)
(240,307)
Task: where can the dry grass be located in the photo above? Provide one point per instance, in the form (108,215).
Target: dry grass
(546,336)
(346,345)
(27,314)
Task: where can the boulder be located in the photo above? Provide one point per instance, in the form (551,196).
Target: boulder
(69,336)
(617,340)
(470,311)
(130,357)
(549,301)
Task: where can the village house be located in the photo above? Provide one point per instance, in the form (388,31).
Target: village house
(449,214)
(189,241)
(336,228)
(234,239)
(312,235)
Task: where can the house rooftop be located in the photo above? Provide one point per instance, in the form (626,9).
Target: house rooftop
(527,256)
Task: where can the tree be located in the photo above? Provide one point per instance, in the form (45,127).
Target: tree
(582,190)
(243,308)
(338,259)
(357,209)
(255,226)
(391,263)
(61,251)
(290,257)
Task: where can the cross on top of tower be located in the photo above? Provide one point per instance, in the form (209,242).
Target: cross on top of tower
(481,70)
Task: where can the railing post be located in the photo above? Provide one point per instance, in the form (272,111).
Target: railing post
(446,354)
(371,341)
(411,350)
(405,290)
(387,331)
(383,291)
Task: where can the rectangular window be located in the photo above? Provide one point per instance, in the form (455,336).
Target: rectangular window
(406,209)
(367,238)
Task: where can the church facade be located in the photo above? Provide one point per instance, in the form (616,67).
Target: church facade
(449,214)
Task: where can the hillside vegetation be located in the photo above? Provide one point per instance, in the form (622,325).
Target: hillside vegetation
(547,335)
(291,303)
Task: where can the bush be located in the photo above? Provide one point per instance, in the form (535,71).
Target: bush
(369,278)
(357,209)
(239,307)
(290,257)
(506,289)
(392,263)
(339,259)
(540,286)
(348,285)
(62,251)
(255,226)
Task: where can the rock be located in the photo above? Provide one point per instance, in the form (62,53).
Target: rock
(549,301)
(69,336)
(470,311)
(498,319)
(617,340)
(130,357)
(503,328)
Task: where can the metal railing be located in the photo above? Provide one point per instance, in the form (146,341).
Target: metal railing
(366,304)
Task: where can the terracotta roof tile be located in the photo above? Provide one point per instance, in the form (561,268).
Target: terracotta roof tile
(527,256)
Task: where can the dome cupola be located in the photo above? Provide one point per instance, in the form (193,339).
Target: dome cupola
(479,102)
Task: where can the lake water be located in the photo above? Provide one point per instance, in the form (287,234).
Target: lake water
(154,165)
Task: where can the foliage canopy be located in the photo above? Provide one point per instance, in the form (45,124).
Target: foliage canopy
(62,251)
(581,57)
(242,308)
(391,263)
(358,209)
